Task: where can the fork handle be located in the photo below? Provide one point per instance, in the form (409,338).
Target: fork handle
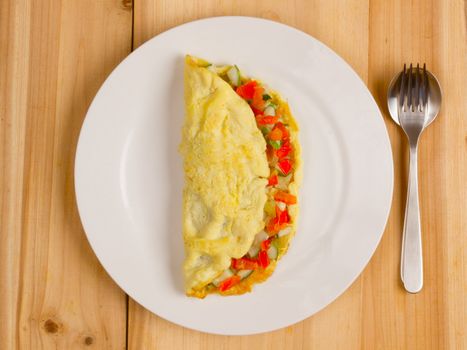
(411,257)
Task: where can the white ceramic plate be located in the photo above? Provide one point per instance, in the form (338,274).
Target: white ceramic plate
(129,174)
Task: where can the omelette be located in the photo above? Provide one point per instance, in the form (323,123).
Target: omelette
(242,169)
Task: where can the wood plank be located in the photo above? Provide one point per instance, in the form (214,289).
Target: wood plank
(331,22)
(55,55)
(431,32)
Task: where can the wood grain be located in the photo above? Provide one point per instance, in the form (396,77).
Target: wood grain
(420,31)
(376,38)
(55,55)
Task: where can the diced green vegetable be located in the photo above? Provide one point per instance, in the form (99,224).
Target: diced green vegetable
(270,208)
(266,97)
(275,144)
(269,103)
(265,130)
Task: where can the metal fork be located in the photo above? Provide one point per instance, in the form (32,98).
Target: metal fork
(412,112)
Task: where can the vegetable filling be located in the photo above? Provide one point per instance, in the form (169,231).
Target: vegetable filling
(280,153)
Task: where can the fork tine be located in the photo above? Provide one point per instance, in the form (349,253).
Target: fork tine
(416,95)
(426,88)
(402,89)
(409,89)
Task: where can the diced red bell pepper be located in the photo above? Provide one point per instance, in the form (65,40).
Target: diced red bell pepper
(263,259)
(247,90)
(273,180)
(284,150)
(256,112)
(265,245)
(265,120)
(229,283)
(244,264)
(285,166)
(285,197)
(282,217)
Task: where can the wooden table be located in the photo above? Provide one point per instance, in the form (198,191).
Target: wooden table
(54,56)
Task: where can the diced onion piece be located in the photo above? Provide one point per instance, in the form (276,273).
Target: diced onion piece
(244,273)
(283,181)
(281,205)
(253,251)
(234,75)
(260,236)
(269,111)
(285,231)
(226,274)
(272,252)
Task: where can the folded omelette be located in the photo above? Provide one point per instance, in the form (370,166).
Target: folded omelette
(242,169)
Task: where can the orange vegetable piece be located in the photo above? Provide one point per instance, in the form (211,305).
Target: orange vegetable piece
(244,264)
(285,197)
(264,120)
(275,134)
(258,101)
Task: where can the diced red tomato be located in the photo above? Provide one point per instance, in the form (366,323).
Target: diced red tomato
(265,245)
(285,197)
(273,180)
(247,90)
(264,120)
(284,150)
(263,259)
(229,283)
(256,112)
(285,166)
(275,134)
(258,101)
(282,217)
(244,264)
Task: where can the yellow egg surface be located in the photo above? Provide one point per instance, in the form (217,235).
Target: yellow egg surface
(226,171)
